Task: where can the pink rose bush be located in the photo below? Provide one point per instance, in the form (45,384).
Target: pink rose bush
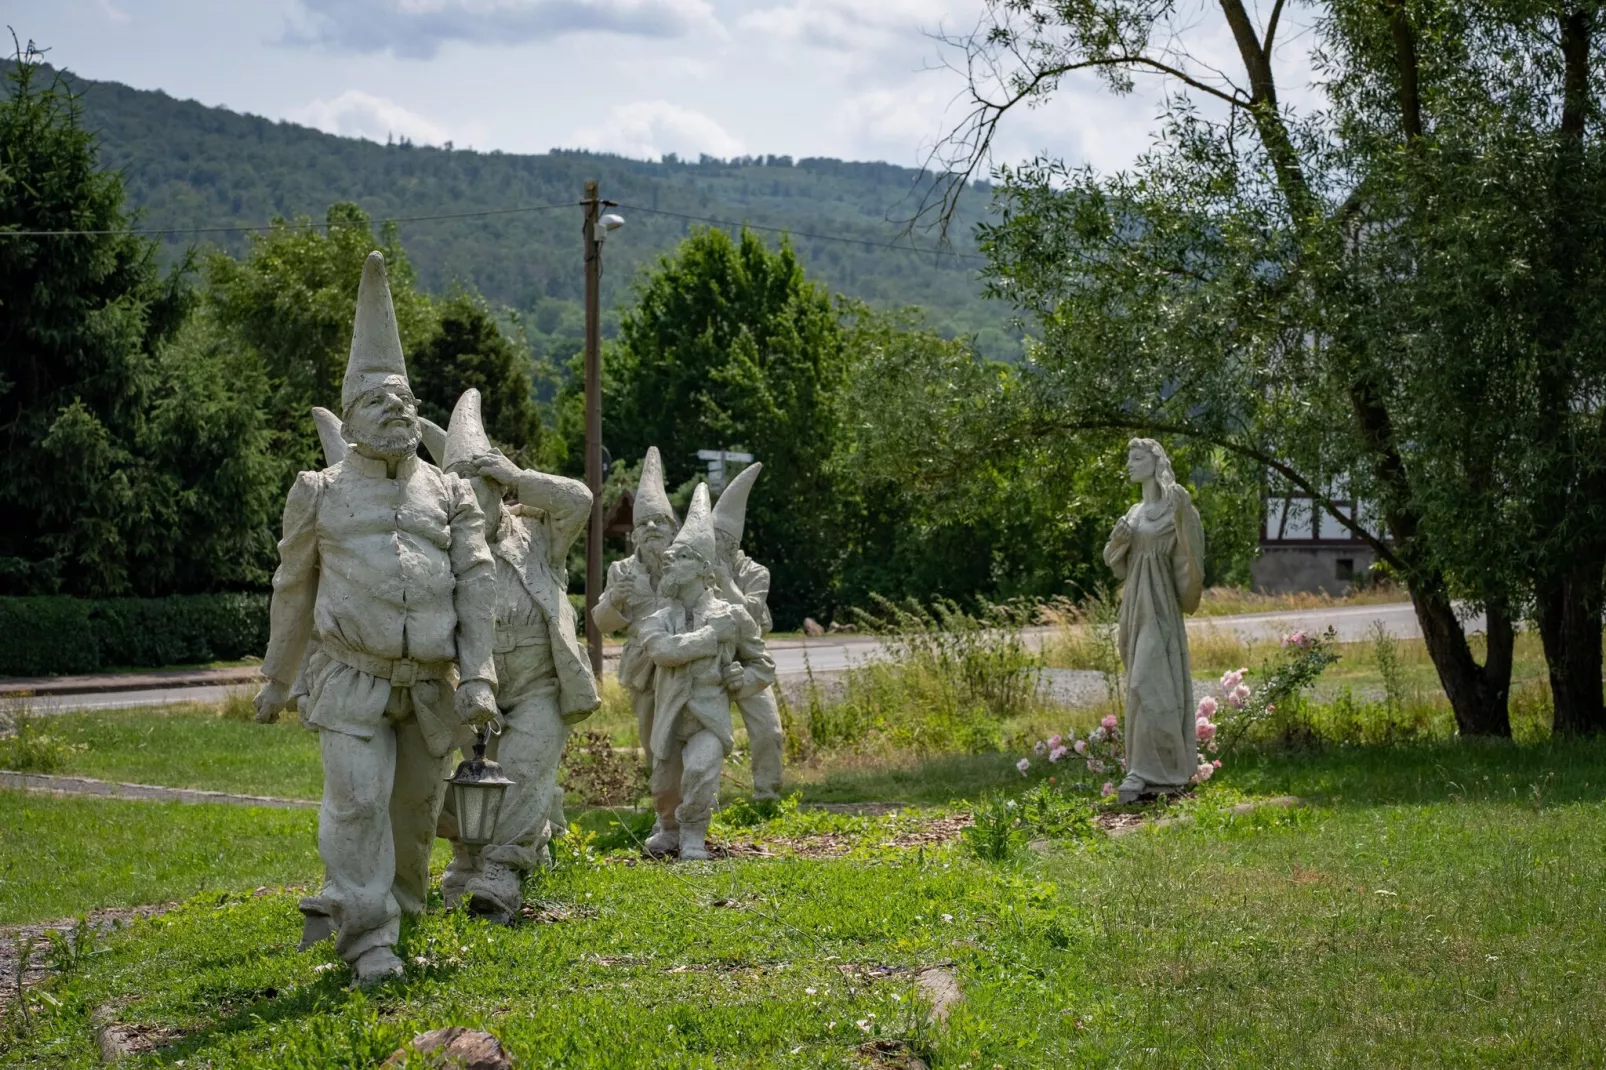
(1217,723)
(1100,750)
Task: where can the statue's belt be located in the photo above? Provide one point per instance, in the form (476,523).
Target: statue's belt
(401,672)
(512,638)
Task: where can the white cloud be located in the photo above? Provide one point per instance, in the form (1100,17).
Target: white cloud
(647,129)
(358,114)
(114,14)
(854,26)
(416,29)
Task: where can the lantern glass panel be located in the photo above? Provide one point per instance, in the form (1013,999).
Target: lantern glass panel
(471,824)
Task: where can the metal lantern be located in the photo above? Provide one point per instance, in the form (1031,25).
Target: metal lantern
(477,790)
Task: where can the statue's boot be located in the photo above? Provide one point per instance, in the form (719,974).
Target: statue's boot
(317,923)
(1131,790)
(664,840)
(377,965)
(462,869)
(496,893)
(693,847)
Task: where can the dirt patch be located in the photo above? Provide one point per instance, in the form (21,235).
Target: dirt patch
(37,940)
(904,835)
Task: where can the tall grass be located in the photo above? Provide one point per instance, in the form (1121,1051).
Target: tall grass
(943,681)
(25,747)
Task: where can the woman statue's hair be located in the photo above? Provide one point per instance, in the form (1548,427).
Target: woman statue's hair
(1190,531)
(1163,472)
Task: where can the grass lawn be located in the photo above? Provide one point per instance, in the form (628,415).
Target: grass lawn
(65,856)
(189,747)
(1439,905)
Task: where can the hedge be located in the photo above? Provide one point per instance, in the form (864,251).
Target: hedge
(56,636)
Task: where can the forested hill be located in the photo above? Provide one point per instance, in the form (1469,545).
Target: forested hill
(188,165)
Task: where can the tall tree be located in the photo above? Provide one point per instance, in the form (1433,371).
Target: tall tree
(470,349)
(730,347)
(290,302)
(131,450)
(1245,284)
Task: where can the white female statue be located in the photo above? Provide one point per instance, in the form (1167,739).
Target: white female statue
(1157,548)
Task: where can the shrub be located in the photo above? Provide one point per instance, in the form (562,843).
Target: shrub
(996,828)
(26,747)
(600,775)
(57,635)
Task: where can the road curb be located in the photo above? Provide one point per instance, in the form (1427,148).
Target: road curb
(47,784)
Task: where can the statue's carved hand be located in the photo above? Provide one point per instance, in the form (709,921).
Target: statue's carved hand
(497,467)
(734,676)
(475,703)
(273,698)
(725,627)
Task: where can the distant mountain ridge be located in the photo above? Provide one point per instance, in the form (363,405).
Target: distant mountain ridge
(190,165)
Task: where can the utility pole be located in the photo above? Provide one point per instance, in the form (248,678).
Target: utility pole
(593,244)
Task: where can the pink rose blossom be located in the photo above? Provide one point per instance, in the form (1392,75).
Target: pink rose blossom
(1057,753)
(1107,789)
(1040,747)
(1096,736)
(1230,680)
(1207,707)
(1204,729)
(1023,765)
(1108,723)
(1054,741)
(1216,764)
(1203,773)
(1081,746)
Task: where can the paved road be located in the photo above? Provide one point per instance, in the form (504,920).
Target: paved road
(829,654)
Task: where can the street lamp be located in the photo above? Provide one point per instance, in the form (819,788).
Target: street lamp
(477,789)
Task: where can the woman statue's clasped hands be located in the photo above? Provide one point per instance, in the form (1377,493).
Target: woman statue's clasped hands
(1157,548)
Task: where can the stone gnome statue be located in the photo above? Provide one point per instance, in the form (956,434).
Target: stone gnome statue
(631,593)
(746,583)
(705,652)
(544,681)
(1157,548)
(383,564)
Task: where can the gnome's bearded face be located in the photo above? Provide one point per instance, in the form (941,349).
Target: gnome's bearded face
(383,421)
(689,561)
(652,535)
(684,571)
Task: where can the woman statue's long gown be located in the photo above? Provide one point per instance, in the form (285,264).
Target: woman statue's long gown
(1162,570)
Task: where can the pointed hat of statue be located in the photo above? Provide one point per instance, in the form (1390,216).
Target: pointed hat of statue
(434,436)
(651,498)
(465,432)
(697,532)
(330,434)
(376,353)
(730,512)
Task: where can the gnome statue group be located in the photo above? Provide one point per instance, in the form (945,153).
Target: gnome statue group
(418,608)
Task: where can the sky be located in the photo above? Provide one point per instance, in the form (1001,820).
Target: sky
(853,79)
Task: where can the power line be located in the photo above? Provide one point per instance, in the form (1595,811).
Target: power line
(148,231)
(802,234)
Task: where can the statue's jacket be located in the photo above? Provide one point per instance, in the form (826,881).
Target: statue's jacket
(533,607)
(629,582)
(394,581)
(753,581)
(690,667)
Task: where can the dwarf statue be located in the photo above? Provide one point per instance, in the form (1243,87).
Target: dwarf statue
(631,593)
(544,680)
(704,651)
(382,563)
(746,583)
